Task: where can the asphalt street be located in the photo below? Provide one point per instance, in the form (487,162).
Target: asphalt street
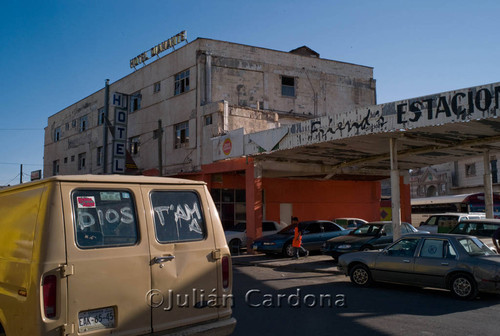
(291,297)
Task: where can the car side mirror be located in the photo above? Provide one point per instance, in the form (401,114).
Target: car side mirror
(422,223)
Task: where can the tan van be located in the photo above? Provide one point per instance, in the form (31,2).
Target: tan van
(121,255)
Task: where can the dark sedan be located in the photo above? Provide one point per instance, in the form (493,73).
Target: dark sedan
(370,236)
(315,233)
(460,263)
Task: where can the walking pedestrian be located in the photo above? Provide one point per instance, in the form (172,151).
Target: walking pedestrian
(297,243)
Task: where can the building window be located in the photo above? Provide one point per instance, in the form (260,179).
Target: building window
(57,134)
(156,87)
(100,116)
(66,159)
(470,170)
(208,120)
(99,156)
(72,158)
(67,126)
(73,123)
(134,145)
(181,134)
(494,171)
(181,82)
(55,167)
(287,86)
(81,161)
(135,101)
(84,123)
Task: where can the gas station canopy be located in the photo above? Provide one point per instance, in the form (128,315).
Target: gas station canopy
(355,145)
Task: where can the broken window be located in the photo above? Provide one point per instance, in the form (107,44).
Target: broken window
(470,170)
(135,101)
(182,134)
(287,86)
(181,82)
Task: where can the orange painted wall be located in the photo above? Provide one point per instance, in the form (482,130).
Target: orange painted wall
(313,199)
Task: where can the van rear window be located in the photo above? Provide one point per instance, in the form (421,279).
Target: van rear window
(178,216)
(104,218)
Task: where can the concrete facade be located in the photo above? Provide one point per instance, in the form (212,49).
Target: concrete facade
(224,87)
(454,178)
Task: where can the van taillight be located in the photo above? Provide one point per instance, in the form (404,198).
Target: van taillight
(225,272)
(49,285)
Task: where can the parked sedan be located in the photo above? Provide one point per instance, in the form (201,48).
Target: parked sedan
(370,236)
(460,263)
(237,236)
(315,233)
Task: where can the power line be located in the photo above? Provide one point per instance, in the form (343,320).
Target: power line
(21,129)
(17,176)
(24,164)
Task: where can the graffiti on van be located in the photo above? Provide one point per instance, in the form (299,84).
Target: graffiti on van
(178,216)
(105,216)
(182,213)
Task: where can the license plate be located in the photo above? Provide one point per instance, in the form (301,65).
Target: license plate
(254,248)
(96,319)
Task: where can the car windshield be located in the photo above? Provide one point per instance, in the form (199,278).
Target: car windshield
(475,247)
(367,230)
(240,227)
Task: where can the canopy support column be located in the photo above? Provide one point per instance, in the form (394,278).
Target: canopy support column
(395,191)
(488,186)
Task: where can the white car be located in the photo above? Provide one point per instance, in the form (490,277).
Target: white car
(237,236)
(444,222)
(350,223)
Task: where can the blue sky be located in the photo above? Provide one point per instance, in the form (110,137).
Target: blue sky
(54,53)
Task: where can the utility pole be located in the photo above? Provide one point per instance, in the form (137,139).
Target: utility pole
(21,175)
(159,134)
(105,128)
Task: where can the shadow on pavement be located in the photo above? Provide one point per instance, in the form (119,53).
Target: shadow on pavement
(383,309)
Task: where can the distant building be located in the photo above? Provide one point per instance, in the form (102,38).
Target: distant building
(459,177)
(203,89)
(208,88)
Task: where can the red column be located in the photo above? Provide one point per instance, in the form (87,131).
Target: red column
(405,200)
(253,182)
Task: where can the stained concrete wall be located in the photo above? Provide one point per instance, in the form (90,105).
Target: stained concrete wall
(247,78)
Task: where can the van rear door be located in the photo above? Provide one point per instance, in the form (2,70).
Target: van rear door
(108,275)
(184,269)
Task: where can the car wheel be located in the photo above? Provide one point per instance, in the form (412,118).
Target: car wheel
(463,286)
(288,250)
(235,244)
(360,275)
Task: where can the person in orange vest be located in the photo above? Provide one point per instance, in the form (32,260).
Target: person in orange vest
(297,242)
